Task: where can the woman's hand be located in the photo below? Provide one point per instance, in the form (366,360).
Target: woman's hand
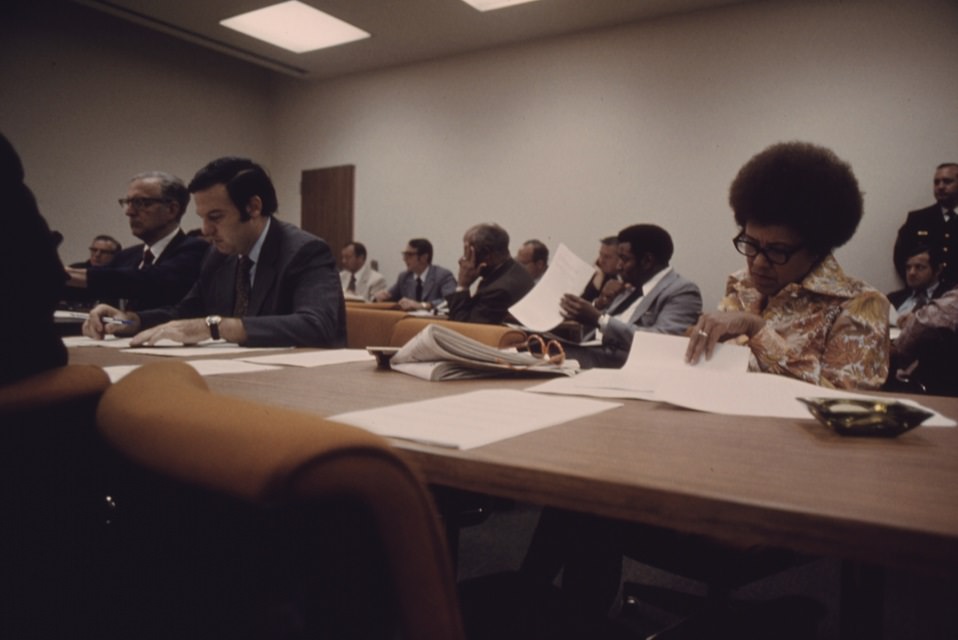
(714,327)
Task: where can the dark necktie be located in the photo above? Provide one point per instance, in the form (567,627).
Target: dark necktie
(418,289)
(352,283)
(147,259)
(243,267)
(921,299)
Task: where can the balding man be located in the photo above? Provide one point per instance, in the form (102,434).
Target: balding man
(504,282)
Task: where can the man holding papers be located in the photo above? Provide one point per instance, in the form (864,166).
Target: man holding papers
(656,298)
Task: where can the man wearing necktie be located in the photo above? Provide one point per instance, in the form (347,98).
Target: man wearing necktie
(922,275)
(160,270)
(267,284)
(423,284)
(359,279)
(655,298)
(934,226)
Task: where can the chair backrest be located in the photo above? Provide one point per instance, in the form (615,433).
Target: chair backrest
(52,489)
(265,456)
(493,335)
(370,326)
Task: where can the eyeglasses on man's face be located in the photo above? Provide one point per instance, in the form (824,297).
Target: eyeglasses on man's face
(141,203)
(775,254)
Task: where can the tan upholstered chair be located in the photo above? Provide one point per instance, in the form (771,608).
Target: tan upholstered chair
(370,327)
(264,458)
(52,492)
(493,335)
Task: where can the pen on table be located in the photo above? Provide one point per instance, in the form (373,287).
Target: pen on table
(116,321)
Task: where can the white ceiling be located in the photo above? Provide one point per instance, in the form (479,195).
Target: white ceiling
(403,31)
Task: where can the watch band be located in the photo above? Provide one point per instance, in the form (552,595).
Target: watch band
(213,322)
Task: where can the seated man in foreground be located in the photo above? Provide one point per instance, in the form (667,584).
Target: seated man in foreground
(268,284)
(504,281)
(656,298)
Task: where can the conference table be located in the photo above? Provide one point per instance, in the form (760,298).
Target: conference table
(889,502)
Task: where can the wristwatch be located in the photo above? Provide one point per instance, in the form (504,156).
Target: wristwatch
(213,322)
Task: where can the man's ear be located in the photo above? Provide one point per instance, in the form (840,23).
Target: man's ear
(254,207)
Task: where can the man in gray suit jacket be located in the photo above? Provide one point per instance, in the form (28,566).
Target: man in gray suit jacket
(657,299)
(268,284)
(423,284)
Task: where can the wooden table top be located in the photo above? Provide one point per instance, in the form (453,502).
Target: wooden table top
(793,483)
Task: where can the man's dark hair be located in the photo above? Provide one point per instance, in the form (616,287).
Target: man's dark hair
(935,255)
(801,186)
(358,248)
(945,165)
(423,247)
(116,244)
(243,179)
(648,238)
(171,187)
(540,252)
(490,241)
(609,240)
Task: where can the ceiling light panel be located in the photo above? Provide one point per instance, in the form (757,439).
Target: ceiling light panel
(295,26)
(489,5)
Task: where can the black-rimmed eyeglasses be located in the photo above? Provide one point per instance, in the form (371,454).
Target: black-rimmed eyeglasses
(776,255)
(140,203)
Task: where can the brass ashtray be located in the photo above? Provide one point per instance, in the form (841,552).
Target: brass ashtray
(850,417)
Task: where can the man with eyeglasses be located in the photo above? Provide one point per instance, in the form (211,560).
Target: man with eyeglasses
(103,251)
(161,270)
(265,282)
(423,285)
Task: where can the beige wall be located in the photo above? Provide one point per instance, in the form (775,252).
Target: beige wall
(572,139)
(567,139)
(89,101)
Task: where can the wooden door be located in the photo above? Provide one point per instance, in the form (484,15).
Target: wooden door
(327,204)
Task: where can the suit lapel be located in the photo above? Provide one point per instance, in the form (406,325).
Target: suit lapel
(651,297)
(171,246)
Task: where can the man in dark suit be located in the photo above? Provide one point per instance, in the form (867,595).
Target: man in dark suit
(935,226)
(267,284)
(162,269)
(922,272)
(656,299)
(504,281)
(103,251)
(423,284)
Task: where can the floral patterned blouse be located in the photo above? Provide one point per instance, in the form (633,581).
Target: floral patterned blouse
(829,329)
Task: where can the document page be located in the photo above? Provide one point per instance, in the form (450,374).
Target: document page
(314,358)
(203,367)
(472,419)
(656,370)
(653,358)
(539,309)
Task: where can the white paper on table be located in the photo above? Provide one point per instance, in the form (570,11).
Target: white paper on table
(656,370)
(314,358)
(171,348)
(539,309)
(651,358)
(112,342)
(472,419)
(203,367)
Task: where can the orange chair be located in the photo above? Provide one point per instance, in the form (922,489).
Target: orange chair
(53,490)
(289,477)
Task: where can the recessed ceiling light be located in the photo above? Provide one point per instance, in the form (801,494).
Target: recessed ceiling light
(489,5)
(295,26)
